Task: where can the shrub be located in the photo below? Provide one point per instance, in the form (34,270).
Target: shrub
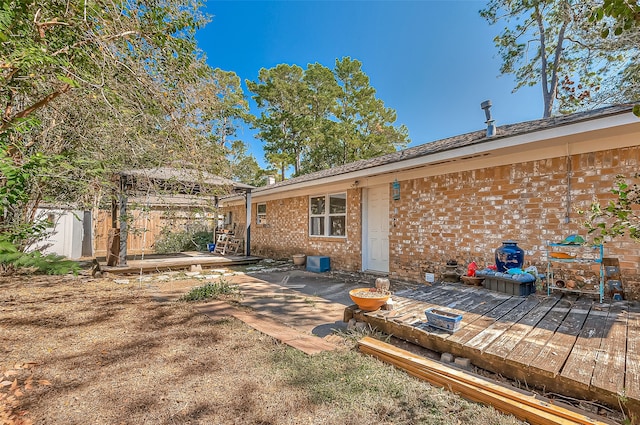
(210,290)
(11,259)
(187,240)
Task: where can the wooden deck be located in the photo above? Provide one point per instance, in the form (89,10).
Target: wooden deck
(563,343)
(157,262)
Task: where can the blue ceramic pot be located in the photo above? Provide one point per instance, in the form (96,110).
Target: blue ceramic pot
(509,256)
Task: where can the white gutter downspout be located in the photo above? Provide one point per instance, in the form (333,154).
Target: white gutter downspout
(247,233)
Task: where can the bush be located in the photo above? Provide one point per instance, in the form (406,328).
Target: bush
(210,290)
(11,259)
(187,240)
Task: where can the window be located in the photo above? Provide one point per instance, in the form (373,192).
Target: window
(328,215)
(261,216)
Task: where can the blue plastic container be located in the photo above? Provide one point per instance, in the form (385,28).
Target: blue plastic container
(444,320)
(318,263)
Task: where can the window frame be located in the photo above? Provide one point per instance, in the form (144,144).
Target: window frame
(261,218)
(326,215)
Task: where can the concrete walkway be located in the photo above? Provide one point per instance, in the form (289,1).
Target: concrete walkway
(301,310)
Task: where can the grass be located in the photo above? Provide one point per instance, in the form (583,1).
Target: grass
(210,291)
(361,389)
(101,345)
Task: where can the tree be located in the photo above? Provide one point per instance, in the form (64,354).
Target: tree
(625,14)
(280,162)
(217,105)
(245,168)
(619,23)
(619,216)
(364,127)
(100,87)
(282,94)
(551,43)
(319,118)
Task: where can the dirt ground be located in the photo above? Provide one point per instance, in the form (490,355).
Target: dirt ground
(76,350)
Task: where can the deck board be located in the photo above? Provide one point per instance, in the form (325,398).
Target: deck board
(527,349)
(610,361)
(562,343)
(553,356)
(582,360)
(492,332)
(632,376)
(155,263)
(505,343)
(484,318)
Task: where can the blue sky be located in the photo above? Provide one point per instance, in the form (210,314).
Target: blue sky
(434,62)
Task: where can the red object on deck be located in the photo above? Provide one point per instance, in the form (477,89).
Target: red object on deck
(471,269)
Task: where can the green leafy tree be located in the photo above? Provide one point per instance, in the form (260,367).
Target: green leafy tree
(323,92)
(364,127)
(20,193)
(104,87)
(619,24)
(282,124)
(319,118)
(280,162)
(618,217)
(553,44)
(625,16)
(245,167)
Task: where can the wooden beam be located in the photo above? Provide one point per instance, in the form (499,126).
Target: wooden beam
(474,388)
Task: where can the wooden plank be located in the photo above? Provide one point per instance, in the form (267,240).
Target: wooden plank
(475,299)
(505,343)
(471,307)
(528,348)
(581,362)
(492,332)
(610,361)
(484,319)
(477,394)
(412,312)
(508,400)
(409,299)
(175,263)
(553,356)
(632,376)
(448,295)
(417,293)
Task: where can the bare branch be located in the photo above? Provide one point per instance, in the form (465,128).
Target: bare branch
(39,104)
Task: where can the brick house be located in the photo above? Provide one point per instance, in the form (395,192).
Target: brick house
(405,214)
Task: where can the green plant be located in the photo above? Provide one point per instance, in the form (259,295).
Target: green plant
(211,290)
(186,240)
(11,259)
(355,334)
(311,302)
(22,176)
(619,216)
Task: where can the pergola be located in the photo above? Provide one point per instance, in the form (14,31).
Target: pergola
(180,186)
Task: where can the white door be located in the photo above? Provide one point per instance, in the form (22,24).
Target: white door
(376,252)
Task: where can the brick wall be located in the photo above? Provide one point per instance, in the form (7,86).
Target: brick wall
(466,215)
(287,232)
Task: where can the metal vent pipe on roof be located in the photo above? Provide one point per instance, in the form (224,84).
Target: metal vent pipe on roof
(491,128)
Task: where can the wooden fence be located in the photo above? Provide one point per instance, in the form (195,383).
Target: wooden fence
(146,227)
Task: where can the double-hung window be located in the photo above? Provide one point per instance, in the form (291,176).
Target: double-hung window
(328,215)
(261,214)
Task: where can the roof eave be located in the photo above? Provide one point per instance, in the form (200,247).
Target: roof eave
(483,145)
